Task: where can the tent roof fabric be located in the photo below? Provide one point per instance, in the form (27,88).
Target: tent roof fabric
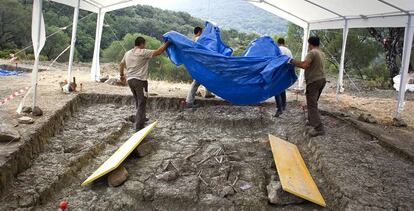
(97,6)
(323,14)
(312,14)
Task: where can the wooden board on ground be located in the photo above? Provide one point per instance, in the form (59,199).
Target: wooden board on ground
(293,173)
(120,154)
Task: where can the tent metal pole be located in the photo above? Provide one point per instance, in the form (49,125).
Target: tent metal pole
(73,41)
(95,69)
(36,63)
(408,42)
(306,32)
(340,84)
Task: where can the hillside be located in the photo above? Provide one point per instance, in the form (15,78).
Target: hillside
(235,14)
(146,20)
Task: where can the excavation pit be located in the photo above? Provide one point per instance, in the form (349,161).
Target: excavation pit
(219,151)
(214,147)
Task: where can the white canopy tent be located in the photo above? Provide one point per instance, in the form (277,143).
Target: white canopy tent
(308,14)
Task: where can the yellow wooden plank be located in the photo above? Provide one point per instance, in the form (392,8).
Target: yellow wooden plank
(120,154)
(293,173)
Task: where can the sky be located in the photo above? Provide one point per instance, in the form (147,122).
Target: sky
(237,14)
(180,5)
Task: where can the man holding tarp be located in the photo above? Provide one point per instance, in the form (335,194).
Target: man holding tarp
(136,62)
(242,80)
(281,98)
(194,86)
(315,82)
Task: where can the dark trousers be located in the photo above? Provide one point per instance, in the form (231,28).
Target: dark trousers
(138,88)
(313,92)
(281,101)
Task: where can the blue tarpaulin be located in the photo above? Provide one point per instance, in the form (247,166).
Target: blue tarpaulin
(211,39)
(262,72)
(8,72)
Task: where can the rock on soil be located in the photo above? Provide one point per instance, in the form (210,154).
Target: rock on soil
(117,177)
(102,80)
(367,118)
(27,109)
(25,120)
(227,191)
(399,122)
(115,82)
(168,176)
(278,196)
(144,149)
(8,133)
(37,111)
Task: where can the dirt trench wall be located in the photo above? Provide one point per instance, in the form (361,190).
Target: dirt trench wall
(33,143)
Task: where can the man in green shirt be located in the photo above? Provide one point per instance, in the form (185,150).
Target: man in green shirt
(315,82)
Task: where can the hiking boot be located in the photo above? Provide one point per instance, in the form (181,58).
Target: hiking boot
(314,132)
(192,105)
(132,119)
(138,128)
(278,113)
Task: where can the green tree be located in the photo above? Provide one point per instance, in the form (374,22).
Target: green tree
(361,49)
(115,52)
(56,44)
(391,40)
(237,41)
(15,20)
(294,39)
(15,25)
(160,68)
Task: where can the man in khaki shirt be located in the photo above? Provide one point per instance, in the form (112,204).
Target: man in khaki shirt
(136,63)
(315,82)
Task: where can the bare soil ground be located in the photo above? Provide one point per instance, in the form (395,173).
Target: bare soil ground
(353,170)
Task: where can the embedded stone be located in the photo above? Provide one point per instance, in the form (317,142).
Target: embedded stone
(167,176)
(27,109)
(25,120)
(227,191)
(37,111)
(8,133)
(278,196)
(117,177)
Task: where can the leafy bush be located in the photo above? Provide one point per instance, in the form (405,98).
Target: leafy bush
(161,68)
(377,76)
(115,52)
(331,68)
(56,44)
(5,54)
(32,57)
